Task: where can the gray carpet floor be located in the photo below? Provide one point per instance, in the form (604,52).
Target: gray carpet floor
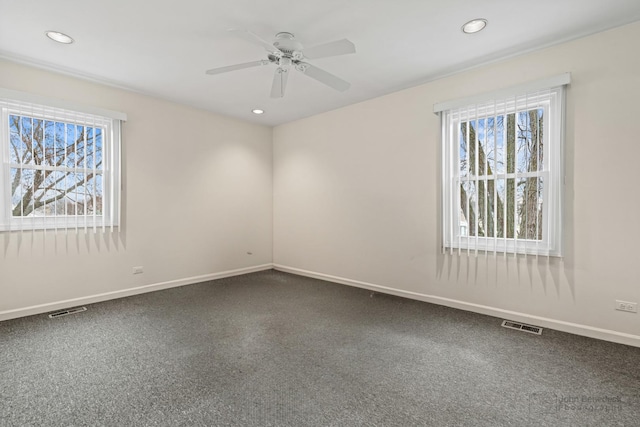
(275,349)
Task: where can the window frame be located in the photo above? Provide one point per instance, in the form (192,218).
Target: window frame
(40,108)
(519,99)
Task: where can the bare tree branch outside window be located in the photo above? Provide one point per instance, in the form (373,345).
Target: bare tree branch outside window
(56,168)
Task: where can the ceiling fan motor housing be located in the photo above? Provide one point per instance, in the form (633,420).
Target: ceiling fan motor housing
(286,43)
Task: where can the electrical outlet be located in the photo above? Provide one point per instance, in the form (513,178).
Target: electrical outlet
(631,307)
(138,270)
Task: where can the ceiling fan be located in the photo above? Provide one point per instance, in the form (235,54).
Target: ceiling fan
(287,53)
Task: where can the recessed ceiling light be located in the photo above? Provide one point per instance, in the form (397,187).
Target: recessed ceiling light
(59,37)
(257,111)
(474,26)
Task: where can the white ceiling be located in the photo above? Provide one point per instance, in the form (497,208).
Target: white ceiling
(163,47)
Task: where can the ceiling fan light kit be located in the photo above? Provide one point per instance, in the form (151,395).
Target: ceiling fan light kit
(287,53)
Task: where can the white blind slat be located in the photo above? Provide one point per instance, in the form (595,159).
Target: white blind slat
(468,161)
(456,184)
(75,177)
(506,181)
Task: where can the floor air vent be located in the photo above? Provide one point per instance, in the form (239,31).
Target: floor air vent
(67,312)
(522,327)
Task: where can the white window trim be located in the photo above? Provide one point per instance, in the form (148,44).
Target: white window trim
(553,172)
(22,103)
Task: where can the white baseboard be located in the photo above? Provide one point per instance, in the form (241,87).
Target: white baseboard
(559,325)
(573,328)
(58,305)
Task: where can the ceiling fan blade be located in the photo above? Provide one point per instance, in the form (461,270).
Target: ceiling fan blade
(252,37)
(324,77)
(237,67)
(279,82)
(339,47)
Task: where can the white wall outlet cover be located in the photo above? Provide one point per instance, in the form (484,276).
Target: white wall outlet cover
(631,307)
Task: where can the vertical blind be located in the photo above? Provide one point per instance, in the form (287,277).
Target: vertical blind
(501,170)
(60,166)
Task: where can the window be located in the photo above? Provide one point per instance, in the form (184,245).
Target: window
(502,170)
(60,166)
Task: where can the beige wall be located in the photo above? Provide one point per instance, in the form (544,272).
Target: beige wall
(357,190)
(197,192)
